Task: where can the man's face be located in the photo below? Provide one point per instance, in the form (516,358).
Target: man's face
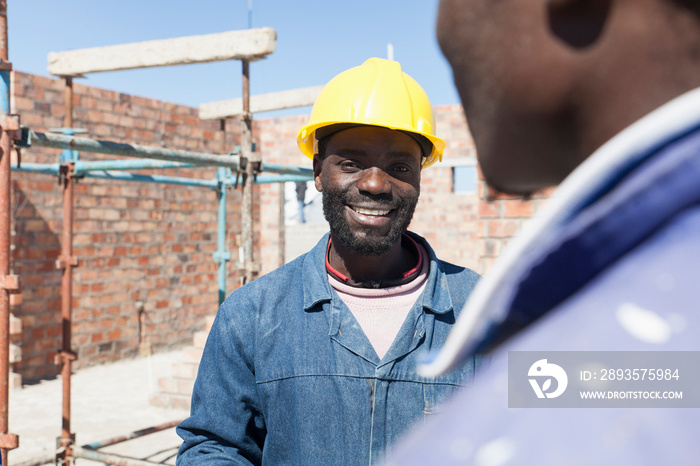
(512,79)
(370,180)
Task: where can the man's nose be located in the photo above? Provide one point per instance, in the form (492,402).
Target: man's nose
(374,180)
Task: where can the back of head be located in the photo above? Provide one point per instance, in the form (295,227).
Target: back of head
(545,83)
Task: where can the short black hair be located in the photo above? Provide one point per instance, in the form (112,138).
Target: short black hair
(322,144)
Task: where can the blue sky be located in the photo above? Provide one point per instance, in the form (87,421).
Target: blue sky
(315,41)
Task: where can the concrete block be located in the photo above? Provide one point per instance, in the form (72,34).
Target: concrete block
(185,387)
(249,44)
(15,298)
(171,401)
(199,339)
(209,321)
(15,380)
(183,370)
(192,355)
(260,103)
(15,325)
(15,353)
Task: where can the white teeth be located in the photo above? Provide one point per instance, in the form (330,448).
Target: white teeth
(371,212)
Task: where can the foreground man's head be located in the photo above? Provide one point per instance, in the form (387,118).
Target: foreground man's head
(545,83)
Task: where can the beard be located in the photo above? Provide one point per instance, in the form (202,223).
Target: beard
(367,241)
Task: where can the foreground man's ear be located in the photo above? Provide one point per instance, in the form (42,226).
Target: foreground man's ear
(578,23)
(317,173)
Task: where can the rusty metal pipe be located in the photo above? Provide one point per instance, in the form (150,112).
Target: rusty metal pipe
(136,434)
(110,458)
(247,198)
(66,262)
(4,48)
(39,461)
(68,101)
(5,211)
(7,441)
(5,180)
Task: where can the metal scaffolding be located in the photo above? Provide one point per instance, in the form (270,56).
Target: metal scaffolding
(243,167)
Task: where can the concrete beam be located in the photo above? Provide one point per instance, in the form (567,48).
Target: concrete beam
(260,103)
(249,44)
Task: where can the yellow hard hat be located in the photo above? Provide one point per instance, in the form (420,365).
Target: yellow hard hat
(375,93)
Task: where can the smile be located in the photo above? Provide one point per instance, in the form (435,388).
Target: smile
(371,212)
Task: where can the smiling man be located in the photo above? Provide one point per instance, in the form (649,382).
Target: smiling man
(315,363)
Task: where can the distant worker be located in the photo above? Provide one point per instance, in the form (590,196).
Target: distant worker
(301,197)
(315,363)
(604,98)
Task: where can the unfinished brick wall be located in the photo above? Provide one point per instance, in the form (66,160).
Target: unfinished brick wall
(137,243)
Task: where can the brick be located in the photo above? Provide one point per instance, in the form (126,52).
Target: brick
(503,228)
(192,355)
(183,370)
(518,208)
(15,325)
(545,193)
(168,385)
(15,354)
(208,322)
(171,401)
(489,209)
(199,339)
(15,380)
(16,299)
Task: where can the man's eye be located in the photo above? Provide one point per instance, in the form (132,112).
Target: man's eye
(349,164)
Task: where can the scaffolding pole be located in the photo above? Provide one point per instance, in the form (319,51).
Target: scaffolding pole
(110,458)
(66,262)
(143,164)
(222,255)
(54,169)
(60,141)
(133,435)
(8,283)
(164,158)
(251,164)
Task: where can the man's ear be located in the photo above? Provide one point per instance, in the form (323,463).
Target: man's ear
(578,23)
(318,163)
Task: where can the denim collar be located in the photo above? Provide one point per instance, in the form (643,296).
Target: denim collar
(436,296)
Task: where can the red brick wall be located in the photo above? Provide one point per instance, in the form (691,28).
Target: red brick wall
(135,241)
(153,243)
(501,216)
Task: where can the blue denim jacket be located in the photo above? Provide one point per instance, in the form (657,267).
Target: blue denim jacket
(289,377)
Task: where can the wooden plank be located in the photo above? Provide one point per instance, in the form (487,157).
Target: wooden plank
(260,103)
(249,44)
